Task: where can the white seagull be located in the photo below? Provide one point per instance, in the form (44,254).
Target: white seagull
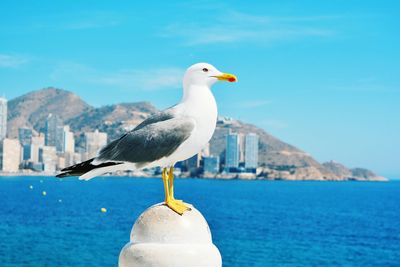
(169,136)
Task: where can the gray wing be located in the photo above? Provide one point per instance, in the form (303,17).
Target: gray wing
(158,117)
(157,137)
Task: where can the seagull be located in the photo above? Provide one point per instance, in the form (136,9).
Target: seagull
(172,135)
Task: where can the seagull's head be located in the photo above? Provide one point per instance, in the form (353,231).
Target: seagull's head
(204,74)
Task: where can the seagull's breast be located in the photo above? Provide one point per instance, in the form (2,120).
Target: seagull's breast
(200,106)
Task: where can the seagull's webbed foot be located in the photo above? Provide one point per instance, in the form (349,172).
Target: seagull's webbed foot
(180,202)
(177,205)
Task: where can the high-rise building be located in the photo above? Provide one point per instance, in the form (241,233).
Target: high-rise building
(194,162)
(94,141)
(205,151)
(232,151)
(10,155)
(25,138)
(69,158)
(211,164)
(52,123)
(25,135)
(26,152)
(77,157)
(83,155)
(251,151)
(65,141)
(61,162)
(241,148)
(59,138)
(3,118)
(36,144)
(69,142)
(218,142)
(48,156)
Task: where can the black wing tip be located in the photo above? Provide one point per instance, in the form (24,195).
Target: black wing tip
(63,175)
(82,168)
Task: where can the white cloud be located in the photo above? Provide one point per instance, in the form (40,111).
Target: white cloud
(150,79)
(12,61)
(240,27)
(143,79)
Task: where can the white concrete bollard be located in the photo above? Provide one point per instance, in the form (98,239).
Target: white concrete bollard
(160,237)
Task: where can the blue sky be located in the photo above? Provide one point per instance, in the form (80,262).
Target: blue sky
(323,76)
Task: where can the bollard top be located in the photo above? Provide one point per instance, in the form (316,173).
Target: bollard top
(160,224)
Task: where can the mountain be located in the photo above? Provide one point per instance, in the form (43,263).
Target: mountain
(338,169)
(32,109)
(113,119)
(359,174)
(278,159)
(113,116)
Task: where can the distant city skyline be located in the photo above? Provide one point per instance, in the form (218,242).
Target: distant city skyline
(321,76)
(54,149)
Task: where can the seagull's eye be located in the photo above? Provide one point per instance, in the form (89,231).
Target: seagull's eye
(205,70)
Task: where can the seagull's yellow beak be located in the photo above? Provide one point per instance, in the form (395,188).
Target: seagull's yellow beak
(226,77)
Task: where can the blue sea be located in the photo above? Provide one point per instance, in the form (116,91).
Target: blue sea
(254,223)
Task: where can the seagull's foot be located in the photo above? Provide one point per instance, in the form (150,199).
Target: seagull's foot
(177,205)
(180,202)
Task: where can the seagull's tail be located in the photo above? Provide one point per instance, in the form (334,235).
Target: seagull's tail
(87,170)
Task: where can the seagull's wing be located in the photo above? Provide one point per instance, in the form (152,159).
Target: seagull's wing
(157,137)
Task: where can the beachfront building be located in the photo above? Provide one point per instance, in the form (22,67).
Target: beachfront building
(69,142)
(65,141)
(242,141)
(205,151)
(218,142)
(251,151)
(94,141)
(3,118)
(52,123)
(69,158)
(211,164)
(36,143)
(25,135)
(193,163)
(10,155)
(25,138)
(232,151)
(48,157)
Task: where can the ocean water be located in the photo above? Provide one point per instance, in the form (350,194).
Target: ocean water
(254,223)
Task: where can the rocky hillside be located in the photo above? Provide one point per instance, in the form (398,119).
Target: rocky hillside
(33,108)
(114,119)
(278,159)
(359,174)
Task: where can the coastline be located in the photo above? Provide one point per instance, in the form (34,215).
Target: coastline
(186,175)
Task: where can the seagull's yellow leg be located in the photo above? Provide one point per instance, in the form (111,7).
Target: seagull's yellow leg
(165,180)
(176,205)
(171,186)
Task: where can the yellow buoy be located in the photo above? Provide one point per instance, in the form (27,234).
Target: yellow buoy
(44,193)
(104,210)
